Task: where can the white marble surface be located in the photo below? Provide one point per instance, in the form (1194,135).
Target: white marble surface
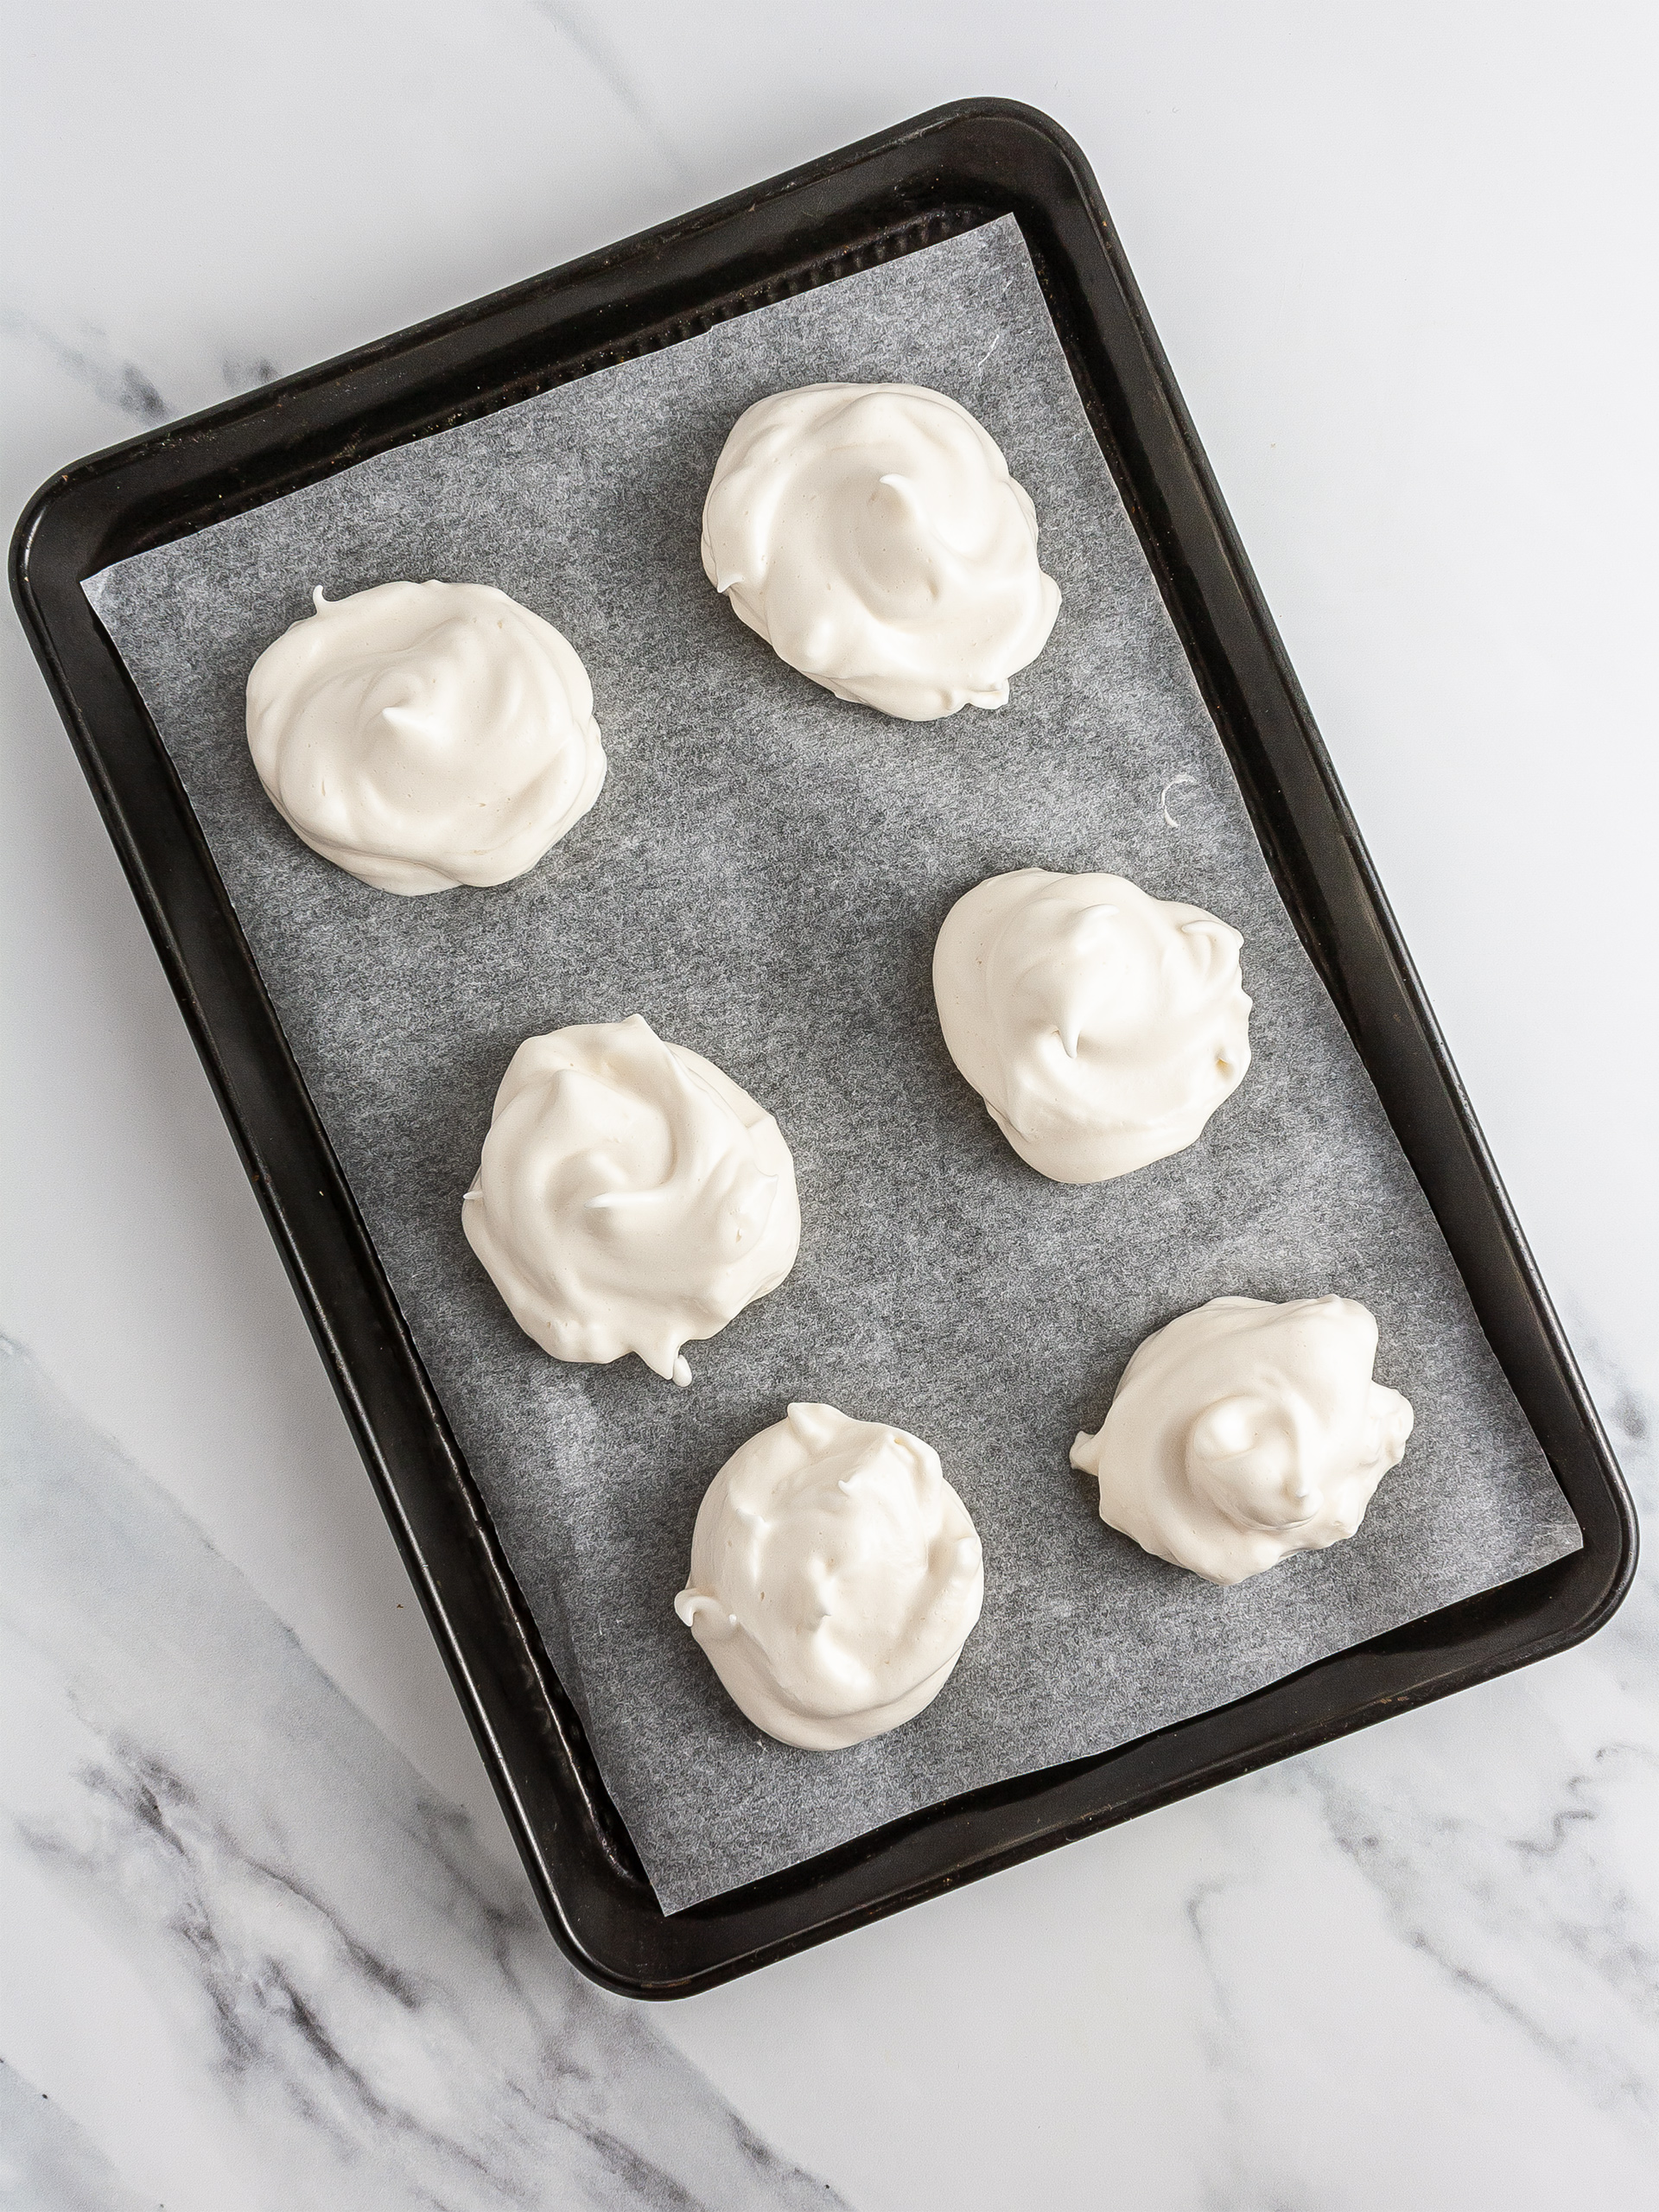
(1393,253)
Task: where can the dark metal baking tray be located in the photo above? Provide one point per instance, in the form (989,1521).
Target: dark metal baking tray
(923,181)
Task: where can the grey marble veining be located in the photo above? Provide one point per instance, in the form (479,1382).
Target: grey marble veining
(93,362)
(611,63)
(360,2007)
(48,2162)
(1523,1906)
(1511,1854)
(1368,1981)
(368,1999)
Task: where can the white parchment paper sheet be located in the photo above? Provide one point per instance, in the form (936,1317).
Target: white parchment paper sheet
(763,878)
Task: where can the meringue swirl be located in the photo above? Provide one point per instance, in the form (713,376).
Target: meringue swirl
(872,535)
(425,735)
(1101,1026)
(1245,1431)
(630,1196)
(835,1576)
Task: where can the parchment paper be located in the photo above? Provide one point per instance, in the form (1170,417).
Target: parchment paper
(763,878)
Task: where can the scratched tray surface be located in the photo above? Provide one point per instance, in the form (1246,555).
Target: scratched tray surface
(763,878)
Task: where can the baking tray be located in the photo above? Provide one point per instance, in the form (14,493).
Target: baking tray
(924,181)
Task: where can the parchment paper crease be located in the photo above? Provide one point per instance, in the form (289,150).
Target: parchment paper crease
(763,878)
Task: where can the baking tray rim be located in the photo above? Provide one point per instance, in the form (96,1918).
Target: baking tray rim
(966,162)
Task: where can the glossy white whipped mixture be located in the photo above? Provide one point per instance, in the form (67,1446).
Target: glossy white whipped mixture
(1245,1430)
(630,1196)
(1101,1026)
(872,534)
(425,735)
(834,1578)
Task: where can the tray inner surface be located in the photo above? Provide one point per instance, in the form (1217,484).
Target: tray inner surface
(763,878)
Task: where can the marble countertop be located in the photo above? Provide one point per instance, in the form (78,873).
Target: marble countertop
(265,1939)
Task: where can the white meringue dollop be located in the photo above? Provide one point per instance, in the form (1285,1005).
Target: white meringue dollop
(835,1576)
(630,1196)
(1245,1431)
(872,535)
(425,735)
(1101,1026)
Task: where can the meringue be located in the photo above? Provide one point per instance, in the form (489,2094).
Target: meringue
(630,1196)
(872,535)
(1245,1431)
(425,735)
(835,1576)
(1101,1026)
